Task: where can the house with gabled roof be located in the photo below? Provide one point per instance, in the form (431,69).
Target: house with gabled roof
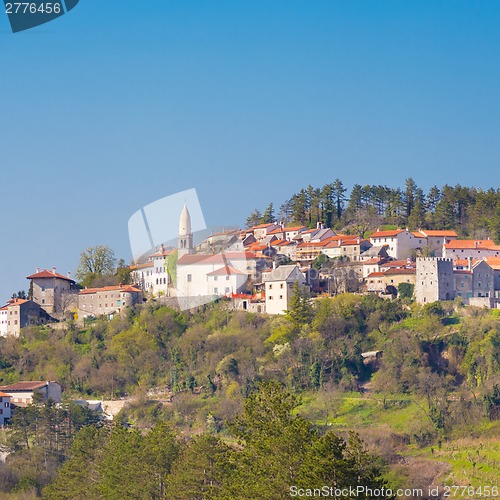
(22,393)
(279,287)
(226,281)
(400,243)
(19,313)
(50,290)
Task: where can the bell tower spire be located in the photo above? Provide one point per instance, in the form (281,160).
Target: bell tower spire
(185,245)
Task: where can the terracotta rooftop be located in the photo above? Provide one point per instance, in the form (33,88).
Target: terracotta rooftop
(225,271)
(48,274)
(472,244)
(24,386)
(386,234)
(117,288)
(441,233)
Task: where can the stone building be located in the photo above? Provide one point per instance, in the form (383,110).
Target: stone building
(434,280)
(53,292)
(106,301)
(17,314)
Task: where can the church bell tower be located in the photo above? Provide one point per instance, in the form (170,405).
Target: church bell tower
(185,245)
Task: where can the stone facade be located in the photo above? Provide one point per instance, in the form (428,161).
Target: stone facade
(434,280)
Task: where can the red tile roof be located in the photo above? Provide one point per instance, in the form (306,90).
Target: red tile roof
(397,270)
(116,288)
(376,274)
(24,386)
(471,244)
(15,302)
(225,271)
(188,259)
(386,234)
(4,395)
(493,262)
(374,260)
(440,233)
(48,274)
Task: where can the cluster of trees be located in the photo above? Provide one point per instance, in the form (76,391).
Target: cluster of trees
(39,440)
(99,267)
(473,212)
(274,451)
(207,364)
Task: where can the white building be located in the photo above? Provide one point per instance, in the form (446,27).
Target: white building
(400,243)
(5,410)
(279,284)
(226,281)
(476,249)
(21,393)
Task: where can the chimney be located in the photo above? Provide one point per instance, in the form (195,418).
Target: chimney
(470,263)
(53,270)
(476,244)
(162,248)
(69,275)
(37,270)
(340,242)
(408,262)
(358,240)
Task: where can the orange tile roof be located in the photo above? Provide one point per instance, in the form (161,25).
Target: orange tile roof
(438,232)
(24,386)
(15,302)
(4,395)
(188,259)
(386,234)
(397,270)
(376,274)
(142,266)
(493,262)
(472,244)
(418,234)
(48,274)
(226,271)
(113,288)
(374,260)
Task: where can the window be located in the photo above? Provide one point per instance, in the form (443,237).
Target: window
(227,278)
(7,405)
(227,289)
(216,278)
(281,285)
(270,286)
(189,278)
(216,290)
(270,297)
(281,296)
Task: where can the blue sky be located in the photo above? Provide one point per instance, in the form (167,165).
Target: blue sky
(119,103)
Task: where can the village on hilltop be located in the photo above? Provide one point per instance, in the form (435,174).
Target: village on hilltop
(258,270)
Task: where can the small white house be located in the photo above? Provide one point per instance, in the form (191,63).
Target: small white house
(279,284)
(21,393)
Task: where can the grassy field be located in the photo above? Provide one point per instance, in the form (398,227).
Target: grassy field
(398,428)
